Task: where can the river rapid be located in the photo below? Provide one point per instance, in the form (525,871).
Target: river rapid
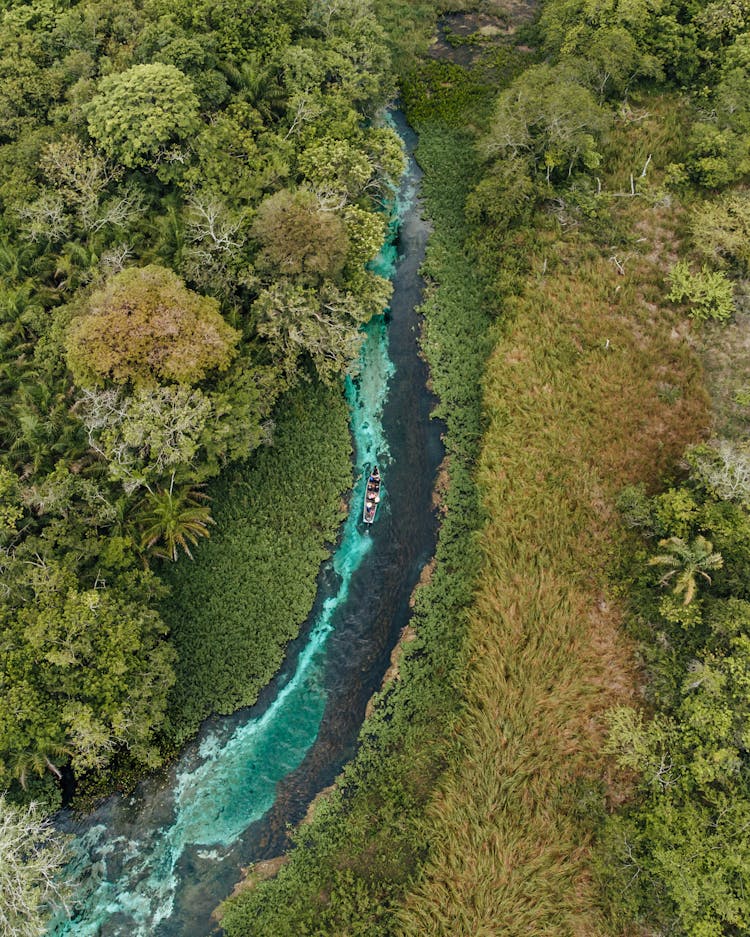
(156,863)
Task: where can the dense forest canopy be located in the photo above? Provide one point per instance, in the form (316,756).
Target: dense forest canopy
(190,194)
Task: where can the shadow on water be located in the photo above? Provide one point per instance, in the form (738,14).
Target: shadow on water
(158,862)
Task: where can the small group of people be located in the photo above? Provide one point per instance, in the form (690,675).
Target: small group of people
(372,497)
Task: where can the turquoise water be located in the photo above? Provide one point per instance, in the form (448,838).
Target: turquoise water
(231,782)
(141,861)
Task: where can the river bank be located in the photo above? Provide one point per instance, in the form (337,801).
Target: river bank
(158,861)
(480,791)
(353,861)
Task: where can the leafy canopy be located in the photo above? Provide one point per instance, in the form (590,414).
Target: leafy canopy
(298,237)
(32,854)
(140,112)
(85,670)
(145,327)
(547,117)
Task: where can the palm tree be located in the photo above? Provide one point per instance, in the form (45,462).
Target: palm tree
(685,562)
(257,82)
(45,430)
(41,758)
(77,265)
(21,314)
(171,520)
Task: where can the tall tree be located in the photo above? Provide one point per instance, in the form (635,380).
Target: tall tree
(146,327)
(31,857)
(142,114)
(550,119)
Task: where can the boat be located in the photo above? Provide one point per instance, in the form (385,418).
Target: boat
(372,496)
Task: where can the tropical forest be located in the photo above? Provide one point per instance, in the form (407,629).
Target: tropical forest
(375,468)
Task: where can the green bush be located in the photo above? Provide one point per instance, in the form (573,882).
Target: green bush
(708,293)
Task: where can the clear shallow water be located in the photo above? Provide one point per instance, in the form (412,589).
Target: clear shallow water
(157,863)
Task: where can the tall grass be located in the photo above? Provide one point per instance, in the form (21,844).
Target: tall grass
(233,610)
(574,396)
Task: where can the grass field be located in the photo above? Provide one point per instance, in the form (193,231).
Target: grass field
(592,385)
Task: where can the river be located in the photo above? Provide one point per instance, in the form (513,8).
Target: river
(156,863)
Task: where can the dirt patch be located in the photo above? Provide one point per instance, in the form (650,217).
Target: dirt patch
(463,38)
(408,634)
(252,875)
(424,578)
(316,802)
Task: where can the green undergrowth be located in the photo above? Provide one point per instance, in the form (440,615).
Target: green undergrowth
(367,840)
(233,610)
(590,385)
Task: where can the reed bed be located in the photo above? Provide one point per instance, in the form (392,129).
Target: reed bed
(576,408)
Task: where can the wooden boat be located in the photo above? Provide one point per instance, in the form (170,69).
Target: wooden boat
(372,496)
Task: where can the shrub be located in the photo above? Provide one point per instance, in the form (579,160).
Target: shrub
(709,293)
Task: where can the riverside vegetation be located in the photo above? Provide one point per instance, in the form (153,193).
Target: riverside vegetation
(191,196)
(571,178)
(584,178)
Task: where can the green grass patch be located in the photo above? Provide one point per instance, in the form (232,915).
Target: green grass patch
(367,841)
(233,610)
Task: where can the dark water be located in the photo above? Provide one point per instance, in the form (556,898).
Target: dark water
(158,863)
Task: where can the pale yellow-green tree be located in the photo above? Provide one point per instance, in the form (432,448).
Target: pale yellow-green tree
(145,328)
(686,563)
(32,855)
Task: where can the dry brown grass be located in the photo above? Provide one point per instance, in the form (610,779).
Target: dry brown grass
(725,348)
(575,392)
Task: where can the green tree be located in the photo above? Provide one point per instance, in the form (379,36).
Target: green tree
(145,436)
(146,327)
(683,863)
(686,562)
(366,233)
(299,238)
(548,117)
(335,171)
(84,670)
(298,322)
(717,155)
(32,855)
(720,229)
(683,852)
(11,510)
(170,520)
(139,115)
(733,89)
